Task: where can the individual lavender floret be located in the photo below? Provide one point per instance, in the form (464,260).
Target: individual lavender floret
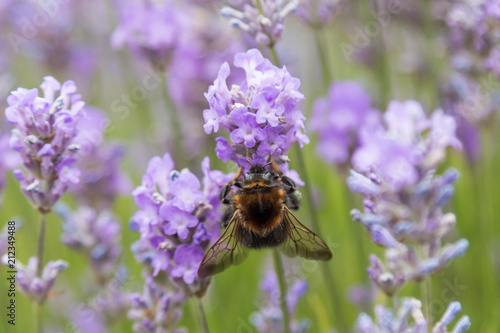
(38,288)
(95,234)
(263,20)
(269,317)
(44,137)
(408,318)
(318,13)
(261,113)
(403,196)
(155,310)
(174,218)
(338,118)
(102,178)
(151,29)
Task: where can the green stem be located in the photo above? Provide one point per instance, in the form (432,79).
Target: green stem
(274,56)
(41,244)
(39,254)
(280,273)
(323,57)
(382,59)
(175,124)
(202,318)
(426,286)
(327,274)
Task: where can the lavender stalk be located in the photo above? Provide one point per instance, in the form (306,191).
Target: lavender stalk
(403,208)
(44,138)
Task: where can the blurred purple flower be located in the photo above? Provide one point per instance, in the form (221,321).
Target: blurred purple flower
(155,310)
(263,21)
(318,13)
(174,220)
(44,137)
(101,177)
(51,34)
(395,153)
(269,317)
(403,196)
(152,30)
(94,234)
(408,317)
(472,32)
(38,288)
(206,44)
(261,113)
(338,118)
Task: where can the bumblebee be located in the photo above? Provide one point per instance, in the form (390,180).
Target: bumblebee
(258,215)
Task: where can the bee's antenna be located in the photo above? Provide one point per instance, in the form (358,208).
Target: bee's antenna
(248,160)
(271,158)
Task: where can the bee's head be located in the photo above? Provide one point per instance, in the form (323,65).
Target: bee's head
(257,172)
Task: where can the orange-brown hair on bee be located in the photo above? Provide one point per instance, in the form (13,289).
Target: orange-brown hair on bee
(258,215)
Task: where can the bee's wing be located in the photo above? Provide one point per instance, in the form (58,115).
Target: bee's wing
(226,251)
(301,241)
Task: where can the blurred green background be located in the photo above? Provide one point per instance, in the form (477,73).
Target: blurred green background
(234,295)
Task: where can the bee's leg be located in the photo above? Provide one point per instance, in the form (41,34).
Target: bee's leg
(226,189)
(290,183)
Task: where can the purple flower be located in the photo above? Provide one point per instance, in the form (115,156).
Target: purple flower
(248,131)
(151,30)
(176,219)
(188,259)
(101,178)
(396,173)
(68,53)
(395,154)
(155,310)
(260,114)
(36,287)
(338,118)
(269,317)
(44,136)
(318,13)
(408,317)
(264,23)
(94,234)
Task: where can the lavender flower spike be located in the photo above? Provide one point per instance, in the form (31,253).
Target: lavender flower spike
(409,318)
(403,196)
(175,218)
(94,234)
(263,20)
(155,310)
(44,138)
(338,118)
(38,287)
(269,317)
(260,113)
